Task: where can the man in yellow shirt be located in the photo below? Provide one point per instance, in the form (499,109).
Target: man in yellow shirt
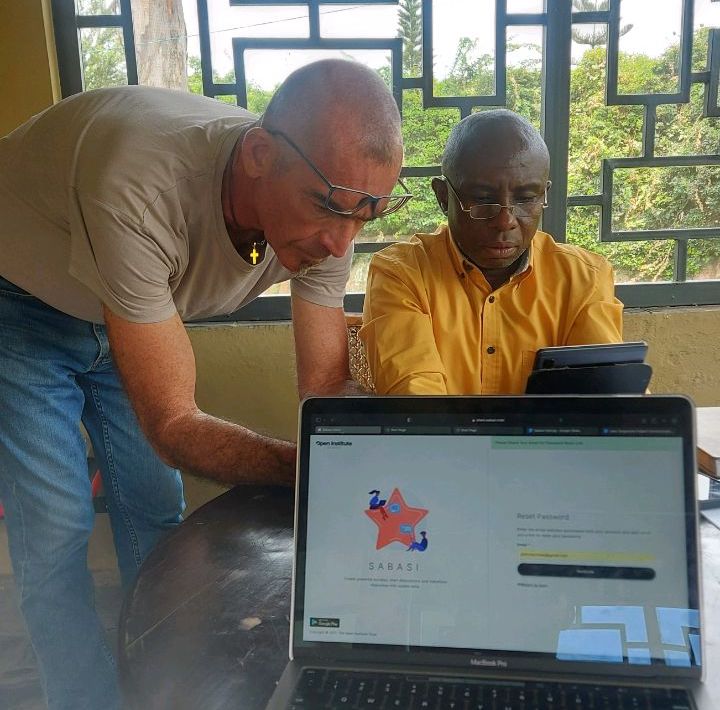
(464,310)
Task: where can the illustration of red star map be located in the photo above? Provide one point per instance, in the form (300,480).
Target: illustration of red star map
(399,524)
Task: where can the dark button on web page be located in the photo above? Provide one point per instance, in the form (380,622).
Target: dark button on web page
(587,571)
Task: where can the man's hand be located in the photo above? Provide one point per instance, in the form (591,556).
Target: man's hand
(157,367)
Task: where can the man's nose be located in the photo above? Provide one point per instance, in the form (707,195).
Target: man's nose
(505,220)
(338,241)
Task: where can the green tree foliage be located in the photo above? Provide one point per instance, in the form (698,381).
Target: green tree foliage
(194,75)
(410,29)
(524,83)
(649,198)
(597,35)
(469,75)
(257,98)
(101,49)
(645,198)
(426,131)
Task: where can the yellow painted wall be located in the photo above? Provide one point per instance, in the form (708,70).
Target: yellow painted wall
(28,66)
(246,373)
(683,349)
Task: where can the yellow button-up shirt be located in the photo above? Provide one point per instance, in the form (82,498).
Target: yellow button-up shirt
(433,325)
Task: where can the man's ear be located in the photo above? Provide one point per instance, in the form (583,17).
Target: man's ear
(440,189)
(259,152)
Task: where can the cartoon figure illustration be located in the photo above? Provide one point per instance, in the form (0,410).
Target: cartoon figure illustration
(377,504)
(419,546)
(396,521)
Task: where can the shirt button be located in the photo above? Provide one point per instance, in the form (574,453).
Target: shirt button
(490,350)
(491,299)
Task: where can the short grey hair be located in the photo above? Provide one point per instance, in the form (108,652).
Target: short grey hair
(497,124)
(342,94)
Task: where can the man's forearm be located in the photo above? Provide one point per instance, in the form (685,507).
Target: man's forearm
(212,448)
(341,388)
(351,387)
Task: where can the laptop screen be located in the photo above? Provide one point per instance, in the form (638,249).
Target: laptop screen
(491,530)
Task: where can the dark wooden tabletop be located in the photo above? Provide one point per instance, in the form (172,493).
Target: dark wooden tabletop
(206,624)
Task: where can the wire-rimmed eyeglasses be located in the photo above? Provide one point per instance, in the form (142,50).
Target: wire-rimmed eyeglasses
(524,207)
(356,200)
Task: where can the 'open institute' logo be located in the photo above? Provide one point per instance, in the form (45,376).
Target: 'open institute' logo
(396,521)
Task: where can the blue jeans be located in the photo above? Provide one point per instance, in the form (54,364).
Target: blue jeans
(56,371)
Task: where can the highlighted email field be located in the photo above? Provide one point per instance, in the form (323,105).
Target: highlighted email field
(589,555)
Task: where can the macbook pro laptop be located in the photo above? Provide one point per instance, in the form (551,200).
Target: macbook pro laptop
(495,552)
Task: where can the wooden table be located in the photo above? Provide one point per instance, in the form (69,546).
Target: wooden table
(206,625)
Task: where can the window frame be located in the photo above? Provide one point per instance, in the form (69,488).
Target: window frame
(557,20)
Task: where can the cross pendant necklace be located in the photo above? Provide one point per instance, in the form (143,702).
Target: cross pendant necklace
(239,236)
(254,254)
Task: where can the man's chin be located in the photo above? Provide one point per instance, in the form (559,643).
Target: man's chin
(308,264)
(298,264)
(490,261)
(495,264)
(291,264)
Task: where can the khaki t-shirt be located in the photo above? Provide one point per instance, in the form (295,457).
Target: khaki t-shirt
(113,196)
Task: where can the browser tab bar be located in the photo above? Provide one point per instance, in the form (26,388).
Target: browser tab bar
(430,430)
(562,430)
(348,430)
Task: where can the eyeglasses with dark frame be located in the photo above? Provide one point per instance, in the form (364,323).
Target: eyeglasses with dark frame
(528,207)
(365,199)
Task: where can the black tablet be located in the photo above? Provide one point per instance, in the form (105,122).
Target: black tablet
(590,355)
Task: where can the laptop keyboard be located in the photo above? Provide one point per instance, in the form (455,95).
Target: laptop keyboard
(335,690)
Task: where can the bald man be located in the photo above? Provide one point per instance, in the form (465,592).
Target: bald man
(123,213)
(464,310)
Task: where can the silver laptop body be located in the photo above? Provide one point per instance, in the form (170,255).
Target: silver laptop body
(518,539)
